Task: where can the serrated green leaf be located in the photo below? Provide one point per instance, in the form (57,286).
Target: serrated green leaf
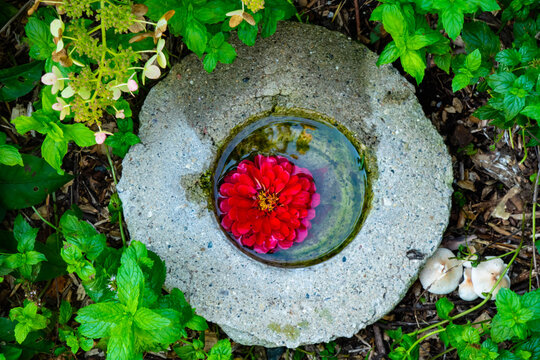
(443,62)
(418,41)
(197,323)
(473,61)
(40,38)
(508,57)
(501,82)
(196,37)
(389,54)
(452,20)
(34,257)
(147,319)
(513,104)
(488,5)
(478,35)
(414,64)
(247,33)
(97,319)
(186,352)
(210,62)
(21,332)
(121,344)
(65,312)
(24,234)
(393,20)
(444,307)
(221,350)
(130,281)
(83,235)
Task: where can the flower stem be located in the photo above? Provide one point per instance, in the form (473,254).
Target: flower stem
(113,172)
(43,219)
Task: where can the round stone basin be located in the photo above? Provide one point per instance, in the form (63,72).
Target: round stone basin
(338,171)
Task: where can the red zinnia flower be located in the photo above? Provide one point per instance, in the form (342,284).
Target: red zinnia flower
(268,203)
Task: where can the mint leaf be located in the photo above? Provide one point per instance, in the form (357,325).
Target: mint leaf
(34,257)
(221,350)
(477,35)
(130,281)
(501,82)
(460,81)
(389,54)
(443,62)
(452,20)
(65,312)
(121,344)
(247,33)
(83,235)
(419,41)
(196,37)
(97,319)
(393,20)
(473,60)
(40,38)
(197,323)
(414,64)
(508,57)
(24,234)
(147,319)
(444,307)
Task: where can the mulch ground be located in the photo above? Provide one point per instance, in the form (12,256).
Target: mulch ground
(493,192)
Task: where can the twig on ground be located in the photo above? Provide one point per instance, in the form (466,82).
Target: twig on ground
(381,351)
(357,18)
(21,10)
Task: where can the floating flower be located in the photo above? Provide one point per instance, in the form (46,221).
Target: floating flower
(268,203)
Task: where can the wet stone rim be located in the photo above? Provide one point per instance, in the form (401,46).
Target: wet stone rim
(186,117)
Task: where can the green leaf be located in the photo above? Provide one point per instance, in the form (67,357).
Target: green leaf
(37,122)
(10,156)
(53,152)
(389,54)
(452,20)
(210,62)
(21,187)
(444,307)
(212,12)
(14,261)
(186,352)
(414,64)
(478,35)
(86,344)
(40,38)
(24,234)
(121,344)
(78,133)
(147,319)
(83,235)
(221,350)
(21,332)
(19,80)
(124,138)
(473,61)
(501,82)
(247,33)
(513,104)
(197,323)
(130,282)
(393,20)
(34,257)
(196,37)
(443,62)
(488,5)
(508,57)
(65,312)
(419,41)
(97,319)
(226,53)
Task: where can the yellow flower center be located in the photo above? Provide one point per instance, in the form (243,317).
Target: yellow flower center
(267,201)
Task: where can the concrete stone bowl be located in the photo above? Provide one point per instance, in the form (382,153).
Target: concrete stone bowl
(186,119)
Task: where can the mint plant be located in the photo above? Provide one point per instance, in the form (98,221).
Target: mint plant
(27,320)
(26,261)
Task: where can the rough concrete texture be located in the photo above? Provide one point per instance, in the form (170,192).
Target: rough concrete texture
(188,115)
